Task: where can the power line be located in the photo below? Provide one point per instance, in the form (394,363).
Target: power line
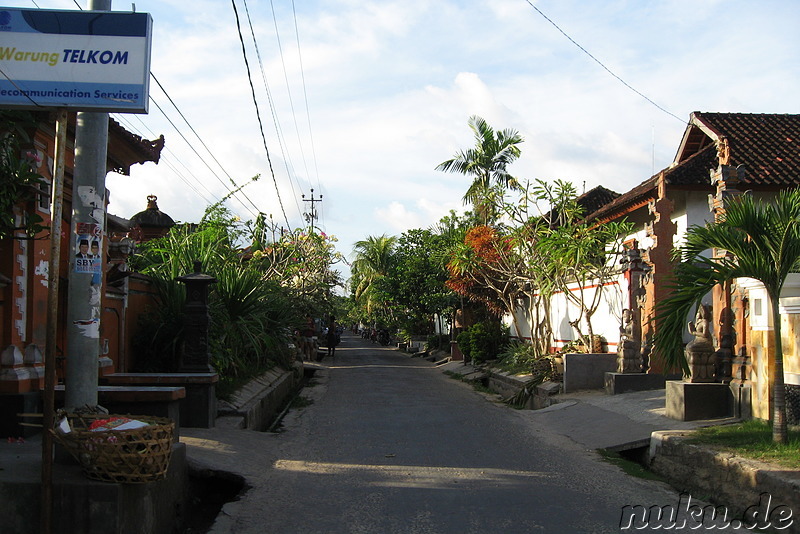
(169,164)
(258,113)
(275,121)
(216,198)
(233,182)
(197,153)
(288,89)
(305,96)
(172,167)
(626,84)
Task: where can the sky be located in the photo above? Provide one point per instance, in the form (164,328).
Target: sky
(361,100)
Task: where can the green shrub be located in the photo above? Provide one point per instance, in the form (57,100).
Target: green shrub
(482,341)
(438,341)
(517,357)
(464,340)
(251,318)
(521,358)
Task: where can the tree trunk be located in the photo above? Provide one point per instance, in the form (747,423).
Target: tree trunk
(779,430)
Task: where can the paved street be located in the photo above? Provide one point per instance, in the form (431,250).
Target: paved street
(392,445)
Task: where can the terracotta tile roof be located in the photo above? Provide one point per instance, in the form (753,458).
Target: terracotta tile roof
(596,198)
(695,170)
(768,145)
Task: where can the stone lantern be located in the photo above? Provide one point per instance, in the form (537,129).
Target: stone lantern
(194,355)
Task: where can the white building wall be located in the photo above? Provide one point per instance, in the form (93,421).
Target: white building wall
(605,321)
(690,208)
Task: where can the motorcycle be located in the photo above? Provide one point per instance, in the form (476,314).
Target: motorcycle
(384,338)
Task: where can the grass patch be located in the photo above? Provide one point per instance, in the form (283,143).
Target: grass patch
(630,467)
(478,386)
(523,368)
(752,439)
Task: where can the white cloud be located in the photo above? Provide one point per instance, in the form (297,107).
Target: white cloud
(386,88)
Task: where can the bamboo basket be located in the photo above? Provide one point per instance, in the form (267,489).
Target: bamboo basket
(131,456)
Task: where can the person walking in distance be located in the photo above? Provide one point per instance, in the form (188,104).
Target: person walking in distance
(332,340)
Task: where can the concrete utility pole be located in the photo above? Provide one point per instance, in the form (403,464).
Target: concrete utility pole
(313,215)
(86,262)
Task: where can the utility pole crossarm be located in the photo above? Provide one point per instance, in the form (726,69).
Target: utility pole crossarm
(310,217)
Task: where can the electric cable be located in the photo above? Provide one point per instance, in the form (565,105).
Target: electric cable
(258,113)
(233,182)
(626,84)
(198,154)
(305,94)
(18,88)
(122,120)
(172,167)
(288,89)
(305,98)
(275,121)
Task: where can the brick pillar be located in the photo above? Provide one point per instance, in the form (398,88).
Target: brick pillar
(726,180)
(662,231)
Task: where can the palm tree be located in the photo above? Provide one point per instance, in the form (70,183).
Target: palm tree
(486,163)
(762,241)
(372,257)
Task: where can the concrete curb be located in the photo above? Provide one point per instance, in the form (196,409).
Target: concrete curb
(255,405)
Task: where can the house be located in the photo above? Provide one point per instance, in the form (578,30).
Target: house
(24,266)
(719,155)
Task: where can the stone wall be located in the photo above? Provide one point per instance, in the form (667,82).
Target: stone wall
(587,371)
(734,482)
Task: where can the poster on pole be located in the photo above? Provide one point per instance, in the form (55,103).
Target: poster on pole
(79,60)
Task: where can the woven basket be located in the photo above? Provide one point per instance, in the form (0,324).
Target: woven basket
(125,456)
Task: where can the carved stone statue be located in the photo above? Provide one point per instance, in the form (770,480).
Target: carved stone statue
(700,328)
(647,350)
(628,358)
(700,351)
(723,359)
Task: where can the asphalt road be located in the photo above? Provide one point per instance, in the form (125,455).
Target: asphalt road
(389,444)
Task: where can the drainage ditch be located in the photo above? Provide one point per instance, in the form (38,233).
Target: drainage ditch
(633,459)
(209,491)
(294,401)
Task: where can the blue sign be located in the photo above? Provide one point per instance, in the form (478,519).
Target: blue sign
(82,60)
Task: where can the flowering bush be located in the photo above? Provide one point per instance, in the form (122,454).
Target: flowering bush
(19,181)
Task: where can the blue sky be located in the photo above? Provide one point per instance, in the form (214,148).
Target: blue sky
(386,88)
